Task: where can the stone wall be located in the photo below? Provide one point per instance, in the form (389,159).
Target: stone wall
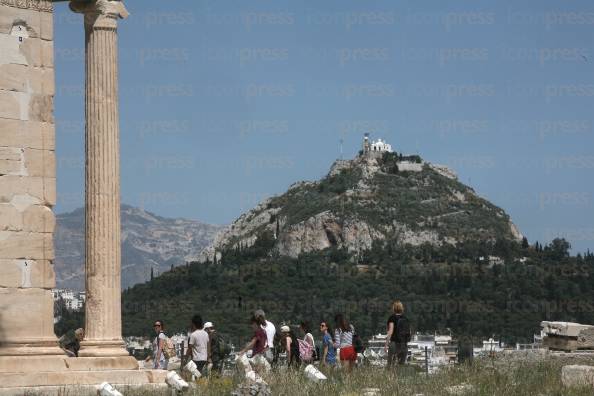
(27,175)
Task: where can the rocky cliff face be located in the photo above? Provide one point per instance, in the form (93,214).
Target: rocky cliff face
(366,200)
(148,241)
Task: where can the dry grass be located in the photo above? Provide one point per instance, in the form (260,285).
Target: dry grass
(501,377)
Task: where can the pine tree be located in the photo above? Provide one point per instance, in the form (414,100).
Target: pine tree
(152,274)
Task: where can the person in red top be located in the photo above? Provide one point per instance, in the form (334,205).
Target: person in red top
(258,344)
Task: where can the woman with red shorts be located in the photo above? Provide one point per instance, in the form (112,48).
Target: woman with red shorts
(343,339)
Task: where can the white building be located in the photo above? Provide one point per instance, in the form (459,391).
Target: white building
(490,348)
(375,147)
(73,300)
(381,146)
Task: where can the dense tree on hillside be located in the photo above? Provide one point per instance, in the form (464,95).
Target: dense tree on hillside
(443,288)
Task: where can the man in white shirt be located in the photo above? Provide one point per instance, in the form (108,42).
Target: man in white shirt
(270,333)
(198,345)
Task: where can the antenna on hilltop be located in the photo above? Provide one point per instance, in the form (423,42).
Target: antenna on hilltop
(341,142)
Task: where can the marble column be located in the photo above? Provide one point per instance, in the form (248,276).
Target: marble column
(102,179)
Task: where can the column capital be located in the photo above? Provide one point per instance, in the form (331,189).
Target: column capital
(100,13)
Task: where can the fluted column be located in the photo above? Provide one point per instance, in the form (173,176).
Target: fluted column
(102,179)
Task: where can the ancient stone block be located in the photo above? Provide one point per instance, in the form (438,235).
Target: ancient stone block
(36,190)
(39,162)
(21,78)
(27,273)
(47,53)
(46,26)
(41,108)
(11,77)
(64,363)
(33,363)
(567,329)
(38,218)
(32,51)
(10,154)
(45,379)
(49,191)
(25,106)
(560,343)
(9,16)
(12,219)
(26,245)
(577,375)
(586,339)
(31,314)
(11,50)
(27,134)
(48,134)
(26,216)
(15,105)
(12,161)
(48,84)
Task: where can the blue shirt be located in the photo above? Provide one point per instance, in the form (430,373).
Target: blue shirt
(331,354)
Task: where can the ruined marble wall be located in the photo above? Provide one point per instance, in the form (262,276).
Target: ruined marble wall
(27,174)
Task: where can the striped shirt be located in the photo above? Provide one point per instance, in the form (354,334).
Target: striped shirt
(344,338)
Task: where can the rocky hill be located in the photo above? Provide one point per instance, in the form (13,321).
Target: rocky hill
(148,241)
(372,198)
(375,228)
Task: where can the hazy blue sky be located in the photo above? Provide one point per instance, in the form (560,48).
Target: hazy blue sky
(223,103)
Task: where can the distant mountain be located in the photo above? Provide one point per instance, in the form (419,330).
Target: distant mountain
(148,241)
(374,198)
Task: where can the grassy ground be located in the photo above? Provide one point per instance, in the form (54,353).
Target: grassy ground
(486,377)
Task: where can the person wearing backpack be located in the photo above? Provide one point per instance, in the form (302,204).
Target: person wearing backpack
(159,359)
(307,345)
(219,348)
(398,335)
(70,342)
(343,339)
(198,345)
(290,346)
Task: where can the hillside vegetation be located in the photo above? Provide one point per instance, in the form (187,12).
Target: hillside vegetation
(442,288)
(362,236)
(369,199)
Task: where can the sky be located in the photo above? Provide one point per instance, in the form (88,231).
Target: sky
(224,103)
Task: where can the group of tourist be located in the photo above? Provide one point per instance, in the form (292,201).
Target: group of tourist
(204,346)
(341,344)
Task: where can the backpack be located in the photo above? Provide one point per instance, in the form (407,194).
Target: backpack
(402,330)
(221,348)
(169,348)
(317,355)
(358,343)
(306,350)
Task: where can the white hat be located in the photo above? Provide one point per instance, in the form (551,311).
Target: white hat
(208,325)
(285,329)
